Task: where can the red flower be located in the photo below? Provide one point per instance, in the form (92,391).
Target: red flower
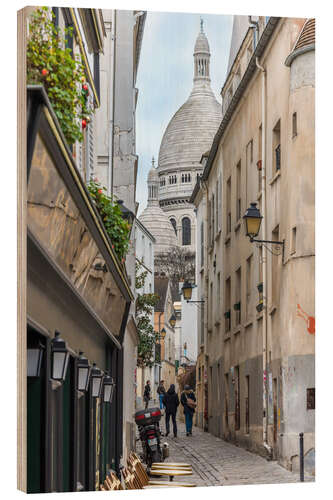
(85,86)
(100,191)
(84,123)
(45,72)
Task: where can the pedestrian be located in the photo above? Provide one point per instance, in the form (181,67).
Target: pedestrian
(171,403)
(146,394)
(161,391)
(187,399)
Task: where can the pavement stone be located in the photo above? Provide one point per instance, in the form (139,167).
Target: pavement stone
(216,462)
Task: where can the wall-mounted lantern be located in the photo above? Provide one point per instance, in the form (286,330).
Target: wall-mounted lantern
(34,359)
(83,373)
(109,386)
(172,320)
(59,358)
(96,377)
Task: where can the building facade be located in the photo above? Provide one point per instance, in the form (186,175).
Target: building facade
(257,350)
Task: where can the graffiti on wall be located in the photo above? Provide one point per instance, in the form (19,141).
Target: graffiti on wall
(310,320)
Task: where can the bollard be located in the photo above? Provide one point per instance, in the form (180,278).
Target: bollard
(301,457)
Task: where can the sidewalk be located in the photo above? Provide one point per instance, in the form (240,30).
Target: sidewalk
(216,462)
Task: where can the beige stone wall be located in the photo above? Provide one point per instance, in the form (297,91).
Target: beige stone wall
(235,354)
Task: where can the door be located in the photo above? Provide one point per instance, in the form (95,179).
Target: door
(275,419)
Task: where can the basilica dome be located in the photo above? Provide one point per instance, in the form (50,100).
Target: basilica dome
(192,128)
(155,220)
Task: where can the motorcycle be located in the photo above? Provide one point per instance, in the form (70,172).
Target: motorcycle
(149,431)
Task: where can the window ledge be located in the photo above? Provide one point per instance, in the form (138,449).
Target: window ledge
(217,322)
(259,315)
(248,323)
(237,225)
(276,176)
(227,335)
(237,329)
(293,252)
(227,238)
(217,236)
(272,309)
(202,269)
(259,195)
(210,249)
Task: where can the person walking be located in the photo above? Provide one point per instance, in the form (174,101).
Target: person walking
(161,391)
(171,403)
(188,399)
(146,394)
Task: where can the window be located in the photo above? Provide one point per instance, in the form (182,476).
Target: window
(260,264)
(247,404)
(294,124)
(186,231)
(162,182)
(211,307)
(226,402)
(293,241)
(237,399)
(227,314)
(174,224)
(217,208)
(219,203)
(277,147)
(310,399)
(172,179)
(274,261)
(248,285)
(259,162)
(238,193)
(237,305)
(202,246)
(218,302)
(228,222)
(97,74)
(212,213)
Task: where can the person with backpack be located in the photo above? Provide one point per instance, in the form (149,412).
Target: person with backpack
(171,403)
(161,391)
(188,401)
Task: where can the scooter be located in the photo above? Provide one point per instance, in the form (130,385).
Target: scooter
(149,431)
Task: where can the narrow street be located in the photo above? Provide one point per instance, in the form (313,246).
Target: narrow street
(218,463)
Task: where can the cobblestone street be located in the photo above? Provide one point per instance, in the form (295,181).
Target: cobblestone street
(216,462)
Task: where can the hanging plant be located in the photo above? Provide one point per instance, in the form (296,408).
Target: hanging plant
(117,228)
(51,64)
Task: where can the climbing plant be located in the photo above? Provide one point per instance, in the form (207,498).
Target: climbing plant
(145,304)
(52,64)
(117,228)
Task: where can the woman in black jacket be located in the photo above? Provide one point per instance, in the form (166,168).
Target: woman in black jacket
(171,402)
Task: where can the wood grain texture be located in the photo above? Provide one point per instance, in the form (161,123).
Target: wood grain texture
(21,252)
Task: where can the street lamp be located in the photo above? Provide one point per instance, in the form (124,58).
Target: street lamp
(163,333)
(252,219)
(172,320)
(83,373)
(187,293)
(60,358)
(96,381)
(35,357)
(109,386)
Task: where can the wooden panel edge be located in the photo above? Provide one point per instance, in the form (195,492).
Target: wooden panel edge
(21,252)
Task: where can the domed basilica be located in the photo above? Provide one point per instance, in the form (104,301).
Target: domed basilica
(187,137)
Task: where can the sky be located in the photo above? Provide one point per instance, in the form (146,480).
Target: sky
(165,77)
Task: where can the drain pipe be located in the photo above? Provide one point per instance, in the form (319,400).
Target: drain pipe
(264,253)
(112,98)
(255,25)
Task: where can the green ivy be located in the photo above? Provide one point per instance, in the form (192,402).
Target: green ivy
(117,228)
(51,64)
(145,304)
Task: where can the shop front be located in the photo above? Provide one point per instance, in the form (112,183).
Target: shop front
(78,299)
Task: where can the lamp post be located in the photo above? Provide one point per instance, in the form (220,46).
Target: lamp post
(60,358)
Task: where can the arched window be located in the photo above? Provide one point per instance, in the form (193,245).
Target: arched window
(173,222)
(186,231)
